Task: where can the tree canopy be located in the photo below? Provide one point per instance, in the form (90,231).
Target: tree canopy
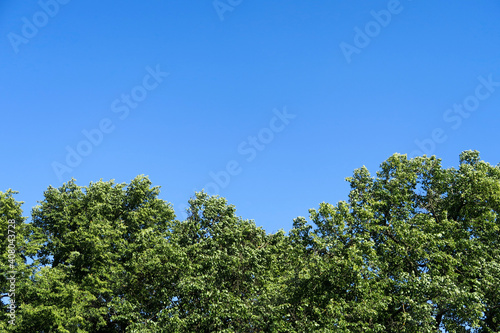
(414,248)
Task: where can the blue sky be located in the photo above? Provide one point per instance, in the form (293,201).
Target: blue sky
(273,103)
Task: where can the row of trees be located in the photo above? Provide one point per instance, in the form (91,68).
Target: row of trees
(414,249)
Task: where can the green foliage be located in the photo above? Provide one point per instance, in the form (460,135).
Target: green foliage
(415,248)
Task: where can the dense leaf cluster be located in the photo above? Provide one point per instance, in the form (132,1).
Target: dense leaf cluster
(414,249)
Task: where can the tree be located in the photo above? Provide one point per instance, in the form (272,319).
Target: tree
(420,244)
(92,237)
(415,248)
(13,257)
(226,281)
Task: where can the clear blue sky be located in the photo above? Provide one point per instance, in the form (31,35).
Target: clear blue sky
(359,82)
